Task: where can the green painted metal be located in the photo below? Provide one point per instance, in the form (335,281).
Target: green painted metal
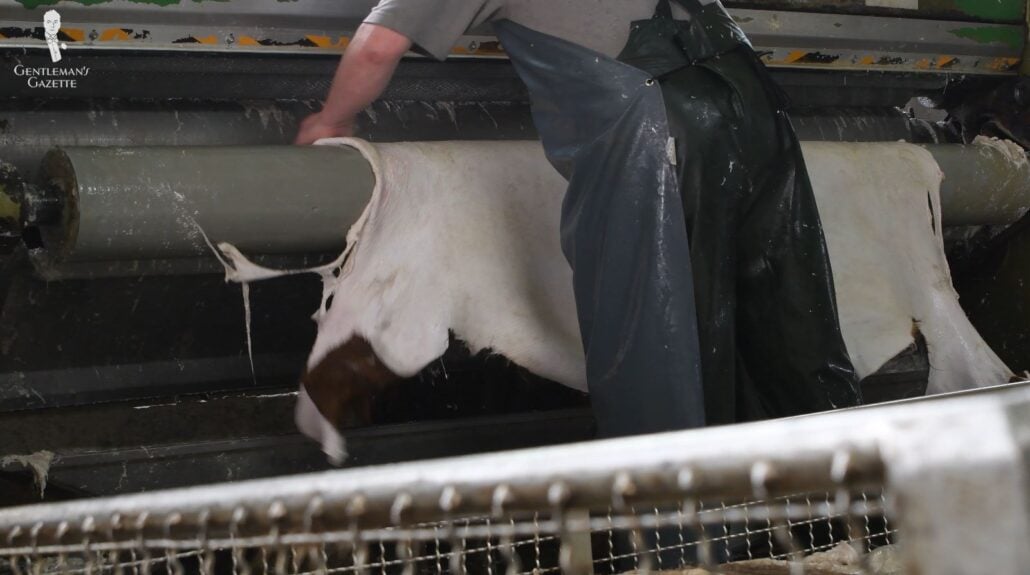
(992,35)
(995,10)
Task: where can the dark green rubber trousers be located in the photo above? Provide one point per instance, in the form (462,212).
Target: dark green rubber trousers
(766,306)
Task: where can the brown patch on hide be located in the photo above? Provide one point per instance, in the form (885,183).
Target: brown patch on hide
(344,385)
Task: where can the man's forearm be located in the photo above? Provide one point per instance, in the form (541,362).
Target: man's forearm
(364,72)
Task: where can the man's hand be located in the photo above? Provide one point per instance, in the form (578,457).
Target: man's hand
(318,126)
(364,72)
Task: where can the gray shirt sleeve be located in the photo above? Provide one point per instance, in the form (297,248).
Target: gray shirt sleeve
(434,25)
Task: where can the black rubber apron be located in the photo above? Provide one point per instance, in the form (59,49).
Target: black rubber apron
(767,312)
(681,153)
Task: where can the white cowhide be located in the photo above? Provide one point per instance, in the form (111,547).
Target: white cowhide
(462,237)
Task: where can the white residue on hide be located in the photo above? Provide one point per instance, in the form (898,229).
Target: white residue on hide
(38,463)
(239,269)
(1011,150)
(250,339)
(880,207)
(195,231)
(246,300)
(1012,204)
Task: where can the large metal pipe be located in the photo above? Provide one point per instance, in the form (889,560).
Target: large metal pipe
(983,183)
(152,203)
(464,105)
(854,124)
(30,129)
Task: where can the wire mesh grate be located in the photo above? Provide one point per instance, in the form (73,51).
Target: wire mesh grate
(671,536)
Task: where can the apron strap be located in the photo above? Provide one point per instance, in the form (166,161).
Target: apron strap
(776,93)
(663,10)
(691,6)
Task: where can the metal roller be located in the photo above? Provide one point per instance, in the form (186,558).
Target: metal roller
(131,204)
(30,130)
(983,185)
(149,204)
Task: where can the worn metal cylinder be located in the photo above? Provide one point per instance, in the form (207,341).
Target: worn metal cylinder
(983,183)
(156,203)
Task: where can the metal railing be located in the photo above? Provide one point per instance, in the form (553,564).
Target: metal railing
(939,485)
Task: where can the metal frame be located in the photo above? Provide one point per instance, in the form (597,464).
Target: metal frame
(953,468)
(788,39)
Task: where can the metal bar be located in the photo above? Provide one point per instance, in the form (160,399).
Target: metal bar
(961,496)
(255,439)
(103,383)
(578,556)
(825,452)
(429,532)
(794,39)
